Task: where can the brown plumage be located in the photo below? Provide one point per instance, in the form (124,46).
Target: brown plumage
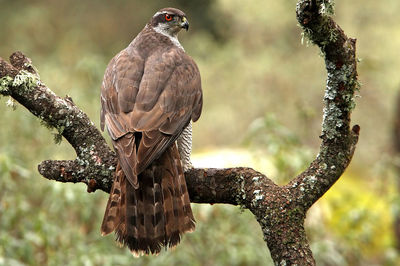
(150,92)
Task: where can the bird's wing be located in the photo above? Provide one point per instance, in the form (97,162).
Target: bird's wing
(147,103)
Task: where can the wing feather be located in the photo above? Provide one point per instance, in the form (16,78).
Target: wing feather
(156,96)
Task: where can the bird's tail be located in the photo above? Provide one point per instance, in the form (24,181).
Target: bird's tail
(155,214)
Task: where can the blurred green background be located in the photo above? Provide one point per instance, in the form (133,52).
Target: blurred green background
(263,90)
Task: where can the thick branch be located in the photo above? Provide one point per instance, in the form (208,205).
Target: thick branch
(94,158)
(338,141)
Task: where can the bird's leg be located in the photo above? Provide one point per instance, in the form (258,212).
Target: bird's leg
(185,147)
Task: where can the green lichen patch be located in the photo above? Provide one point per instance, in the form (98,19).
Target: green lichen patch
(310,181)
(339,97)
(332,119)
(11,103)
(306,37)
(258,197)
(5,83)
(59,127)
(327,7)
(58,136)
(242,192)
(240,196)
(25,79)
(319,33)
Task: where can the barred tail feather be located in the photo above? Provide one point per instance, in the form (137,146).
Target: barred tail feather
(154,215)
(112,216)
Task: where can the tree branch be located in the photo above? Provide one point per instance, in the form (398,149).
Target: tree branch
(280,210)
(338,141)
(94,158)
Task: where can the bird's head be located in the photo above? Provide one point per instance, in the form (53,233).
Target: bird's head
(169,21)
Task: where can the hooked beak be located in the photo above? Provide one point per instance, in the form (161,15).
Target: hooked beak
(185,24)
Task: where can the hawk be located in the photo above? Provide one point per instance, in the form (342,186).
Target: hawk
(151,93)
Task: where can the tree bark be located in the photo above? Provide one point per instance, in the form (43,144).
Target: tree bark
(280,210)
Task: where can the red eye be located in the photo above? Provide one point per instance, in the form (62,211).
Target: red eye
(168,17)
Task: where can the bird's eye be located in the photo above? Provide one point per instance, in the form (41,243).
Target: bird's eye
(168,17)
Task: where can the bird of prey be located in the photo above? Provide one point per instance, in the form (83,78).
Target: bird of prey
(151,93)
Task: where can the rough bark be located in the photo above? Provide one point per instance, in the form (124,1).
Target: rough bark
(280,210)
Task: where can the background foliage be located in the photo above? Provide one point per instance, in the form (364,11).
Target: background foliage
(263,93)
